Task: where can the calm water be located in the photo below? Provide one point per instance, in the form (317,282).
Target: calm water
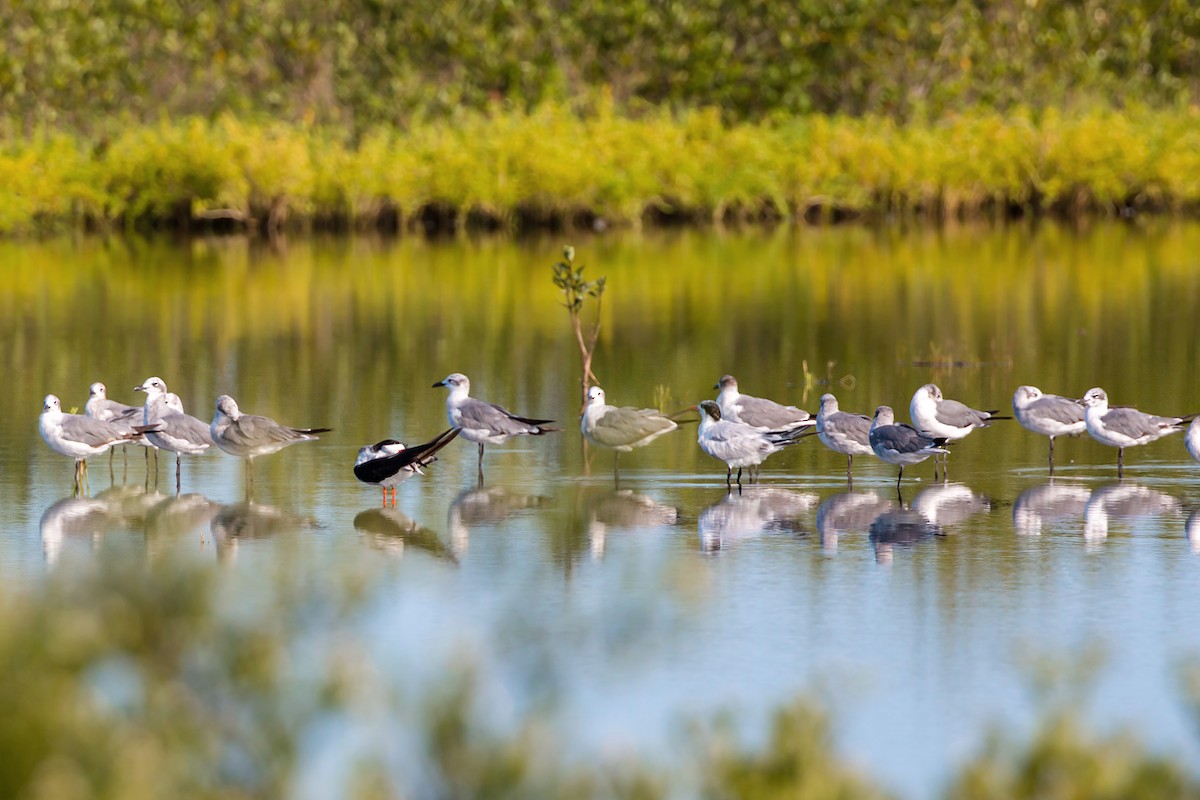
(919,620)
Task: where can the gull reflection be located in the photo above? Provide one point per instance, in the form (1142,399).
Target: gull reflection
(1193,531)
(752,512)
(1048,505)
(624,509)
(1117,502)
(947,504)
(129,504)
(848,512)
(74,517)
(477,507)
(393,531)
(238,522)
(899,527)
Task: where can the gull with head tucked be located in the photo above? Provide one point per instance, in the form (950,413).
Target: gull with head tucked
(843,432)
(482,422)
(1048,414)
(901,444)
(249,435)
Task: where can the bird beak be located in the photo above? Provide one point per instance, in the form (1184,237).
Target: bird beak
(139,388)
(717,385)
(439,383)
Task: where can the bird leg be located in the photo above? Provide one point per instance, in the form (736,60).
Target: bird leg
(901,476)
(935,467)
(1120,462)
(739,479)
(177,478)
(480,475)
(849,463)
(728,477)
(1052,455)
(384,488)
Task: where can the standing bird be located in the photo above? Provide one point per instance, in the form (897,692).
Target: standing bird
(901,444)
(843,432)
(1048,414)
(101,408)
(389,463)
(484,423)
(623,428)
(738,444)
(249,435)
(1124,427)
(169,428)
(78,436)
(939,418)
(758,412)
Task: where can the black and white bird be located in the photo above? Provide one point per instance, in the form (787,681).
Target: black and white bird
(935,416)
(901,444)
(77,436)
(621,428)
(249,436)
(482,422)
(843,432)
(1124,427)
(389,463)
(738,444)
(1048,414)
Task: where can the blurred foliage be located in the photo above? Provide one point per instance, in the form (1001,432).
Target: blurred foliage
(554,166)
(128,682)
(358,63)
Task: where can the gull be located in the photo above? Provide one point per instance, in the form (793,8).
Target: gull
(901,444)
(389,463)
(623,428)
(1124,427)
(249,435)
(78,436)
(169,428)
(484,423)
(843,432)
(758,412)
(939,418)
(1048,414)
(738,444)
(101,408)
(1192,440)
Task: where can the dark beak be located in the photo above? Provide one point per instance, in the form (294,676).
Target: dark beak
(439,383)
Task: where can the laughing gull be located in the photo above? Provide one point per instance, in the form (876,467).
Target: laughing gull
(169,428)
(901,444)
(623,428)
(249,435)
(758,412)
(78,436)
(738,444)
(1124,427)
(935,416)
(1192,440)
(389,463)
(843,432)
(1048,414)
(101,408)
(485,423)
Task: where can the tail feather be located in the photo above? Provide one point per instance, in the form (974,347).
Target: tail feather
(312,431)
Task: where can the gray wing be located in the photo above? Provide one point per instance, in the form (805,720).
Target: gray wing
(901,438)
(855,427)
(91,432)
(120,411)
(478,415)
(952,412)
(1059,409)
(186,427)
(617,427)
(762,413)
(251,430)
(1136,424)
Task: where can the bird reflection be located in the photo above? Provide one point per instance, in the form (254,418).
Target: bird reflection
(129,504)
(624,509)
(476,507)
(948,504)
(392,531)
(72,517)
(1117,502)
(235,523)
(899,527)
(848,512)
(750,513)
(1048,505)
(1193,531)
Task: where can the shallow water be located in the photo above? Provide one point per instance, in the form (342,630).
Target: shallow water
(919,619)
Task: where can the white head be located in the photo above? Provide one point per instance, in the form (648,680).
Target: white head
(98,391)
(152,387)
(51,405)
(595,396)
(931,391)
(884,415)
(228,406)
(1025,395)
(388,447)
(727,382)
(829,404)
(1095,398)
(456,382)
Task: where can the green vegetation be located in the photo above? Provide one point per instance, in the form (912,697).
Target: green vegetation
(123,681)
(558,166)
(576,290)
